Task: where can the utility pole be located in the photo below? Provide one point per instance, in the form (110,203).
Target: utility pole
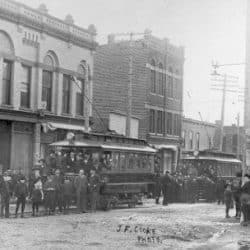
(130,74)
(224,88)
(238,136)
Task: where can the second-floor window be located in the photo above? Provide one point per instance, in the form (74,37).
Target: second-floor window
(170,90)
(161,80)
(152,121)
(153,77)
(6,85)
(25,87)
(197,143)
(80,98)
(47,88)
(159,122)
(66,94)
(191,139)
(169,123)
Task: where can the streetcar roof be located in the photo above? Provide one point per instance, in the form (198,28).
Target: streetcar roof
(67,143)
(101,145)
(137,148)
(232,160)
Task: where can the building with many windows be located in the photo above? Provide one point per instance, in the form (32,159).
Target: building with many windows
(138,91)
(40,56)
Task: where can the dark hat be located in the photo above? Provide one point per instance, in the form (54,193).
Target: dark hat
(247,175)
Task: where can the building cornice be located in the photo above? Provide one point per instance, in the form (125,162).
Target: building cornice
(44,23)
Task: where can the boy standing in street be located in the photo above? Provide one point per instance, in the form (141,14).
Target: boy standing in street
(21,192)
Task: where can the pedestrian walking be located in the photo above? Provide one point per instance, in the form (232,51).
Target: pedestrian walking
(157,188)
(94,185)
(81,186)
(37,195)
(228,199)
(21,193)
(49,195)
(5,192)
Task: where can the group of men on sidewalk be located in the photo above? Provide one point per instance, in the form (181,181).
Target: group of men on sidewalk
(54,191)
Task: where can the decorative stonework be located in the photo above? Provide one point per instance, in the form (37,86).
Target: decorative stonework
(42,22)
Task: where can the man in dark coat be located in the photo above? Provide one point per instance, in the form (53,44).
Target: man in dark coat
(165,183)
(245,199)
(157,188)
(81,187)
(94,187)
(58,182)
(5,192)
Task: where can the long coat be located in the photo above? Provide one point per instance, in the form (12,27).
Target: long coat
(81,184)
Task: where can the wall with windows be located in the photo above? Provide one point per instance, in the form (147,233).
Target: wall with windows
(39,55)
(34,66)
(197,135)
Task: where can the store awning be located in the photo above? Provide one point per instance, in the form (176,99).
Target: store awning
(56,125)
(166,146)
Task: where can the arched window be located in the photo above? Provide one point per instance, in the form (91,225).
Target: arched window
(50,62)
(7,47)
(161,80)
(170,83)
(6,44)
(153,77)
(80,94)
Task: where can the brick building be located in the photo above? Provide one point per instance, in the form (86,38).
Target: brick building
(197,135)
(39,54)
(155,68)
(231,142)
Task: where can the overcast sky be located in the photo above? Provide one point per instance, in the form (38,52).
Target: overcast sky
(209,30)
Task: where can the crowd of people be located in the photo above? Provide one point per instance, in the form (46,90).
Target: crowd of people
(179,188)
(51,191)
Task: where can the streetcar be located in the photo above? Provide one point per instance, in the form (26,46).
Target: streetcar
(213,164)
(125,165)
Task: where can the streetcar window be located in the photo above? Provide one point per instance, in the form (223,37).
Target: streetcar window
(115,161)
(131,161)
(123,161)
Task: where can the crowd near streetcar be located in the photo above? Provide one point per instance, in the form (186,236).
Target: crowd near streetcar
(93,172)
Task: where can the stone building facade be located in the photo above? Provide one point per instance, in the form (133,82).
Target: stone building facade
(154,68)
(39,55)
(198,135)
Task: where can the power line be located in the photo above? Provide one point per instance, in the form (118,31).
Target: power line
(90,102)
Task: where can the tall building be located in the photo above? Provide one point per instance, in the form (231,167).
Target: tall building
(39,54)
(138,87)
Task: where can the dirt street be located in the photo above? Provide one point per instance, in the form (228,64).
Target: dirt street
(150,226)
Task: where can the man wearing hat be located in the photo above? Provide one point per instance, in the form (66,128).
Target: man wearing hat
(94,185)
(5,192)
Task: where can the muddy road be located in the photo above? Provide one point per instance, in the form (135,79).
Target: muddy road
(150,226)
